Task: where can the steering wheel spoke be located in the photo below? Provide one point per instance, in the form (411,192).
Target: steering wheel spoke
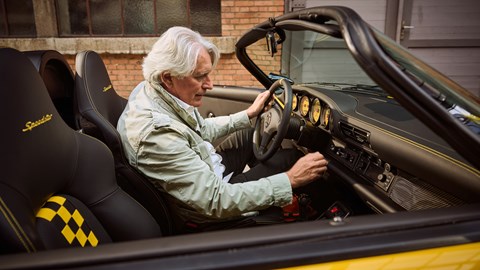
(266,140)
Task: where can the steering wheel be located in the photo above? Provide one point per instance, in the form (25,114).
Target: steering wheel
(271,126)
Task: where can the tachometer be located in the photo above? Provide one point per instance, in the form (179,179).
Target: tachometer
(315,111)
(304,106)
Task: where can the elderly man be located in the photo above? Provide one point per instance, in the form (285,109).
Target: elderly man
(166,138)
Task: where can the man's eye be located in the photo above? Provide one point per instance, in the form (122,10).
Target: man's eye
(200,78)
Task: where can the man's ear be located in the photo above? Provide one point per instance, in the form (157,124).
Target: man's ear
(166,79)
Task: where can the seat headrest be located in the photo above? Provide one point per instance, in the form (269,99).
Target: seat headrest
(55,72)
(94,88)
(44,58)
(33,129)
(59,80)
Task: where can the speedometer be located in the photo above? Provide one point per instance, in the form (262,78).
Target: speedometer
(304,106)
(315,111)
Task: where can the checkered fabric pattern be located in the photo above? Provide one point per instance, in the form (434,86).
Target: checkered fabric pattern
(68,219)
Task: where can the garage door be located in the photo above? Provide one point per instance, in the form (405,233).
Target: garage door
(443,33)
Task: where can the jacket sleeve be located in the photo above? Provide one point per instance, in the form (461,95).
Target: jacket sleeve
(216,127)
(166,157)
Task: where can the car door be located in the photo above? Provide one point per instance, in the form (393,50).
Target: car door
(225,100)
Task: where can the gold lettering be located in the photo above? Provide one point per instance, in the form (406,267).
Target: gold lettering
(106,88)
(30,125)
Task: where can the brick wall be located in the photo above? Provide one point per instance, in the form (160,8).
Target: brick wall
(237,17)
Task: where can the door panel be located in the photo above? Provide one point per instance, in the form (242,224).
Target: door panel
(227,100)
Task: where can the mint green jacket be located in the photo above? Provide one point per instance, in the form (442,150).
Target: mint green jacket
(160,140)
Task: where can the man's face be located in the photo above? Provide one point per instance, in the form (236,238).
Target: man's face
(192,88)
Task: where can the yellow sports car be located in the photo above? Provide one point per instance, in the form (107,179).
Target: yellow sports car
(402,189)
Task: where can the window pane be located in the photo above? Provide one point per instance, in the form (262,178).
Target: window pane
(72,17)
(139,17)
(21,21)
(106,17)
(205,16)
(171,13)
(135,17)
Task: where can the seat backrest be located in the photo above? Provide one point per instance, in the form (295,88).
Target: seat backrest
(58,77)
(57,186)
(99,103)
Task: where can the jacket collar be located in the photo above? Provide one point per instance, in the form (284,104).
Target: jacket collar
(178,106)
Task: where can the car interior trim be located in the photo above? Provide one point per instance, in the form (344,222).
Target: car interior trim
(428,149)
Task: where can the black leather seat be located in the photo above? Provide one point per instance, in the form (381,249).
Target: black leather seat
(59,80)
(57,186)
(102,106)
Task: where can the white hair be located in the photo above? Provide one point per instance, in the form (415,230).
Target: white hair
(176,52)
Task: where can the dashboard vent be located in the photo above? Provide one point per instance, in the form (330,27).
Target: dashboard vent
(357,134)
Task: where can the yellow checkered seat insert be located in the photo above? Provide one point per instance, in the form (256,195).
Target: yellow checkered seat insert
(65,221)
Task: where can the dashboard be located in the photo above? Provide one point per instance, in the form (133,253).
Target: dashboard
(392,160)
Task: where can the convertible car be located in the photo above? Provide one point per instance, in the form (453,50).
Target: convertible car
(402,190)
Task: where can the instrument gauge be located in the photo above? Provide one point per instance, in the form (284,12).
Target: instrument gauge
(304,106)
(315,111)
(294,102)
(326,117)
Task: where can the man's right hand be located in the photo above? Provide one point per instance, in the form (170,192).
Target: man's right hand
(307,169)
(258,104)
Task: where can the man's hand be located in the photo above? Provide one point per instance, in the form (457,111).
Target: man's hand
(258,104)
(307,169)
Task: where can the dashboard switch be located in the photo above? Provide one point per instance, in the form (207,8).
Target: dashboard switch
(382,177)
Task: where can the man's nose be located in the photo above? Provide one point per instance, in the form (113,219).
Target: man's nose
(208,83)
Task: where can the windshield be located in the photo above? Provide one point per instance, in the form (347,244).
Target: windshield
(311,57)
